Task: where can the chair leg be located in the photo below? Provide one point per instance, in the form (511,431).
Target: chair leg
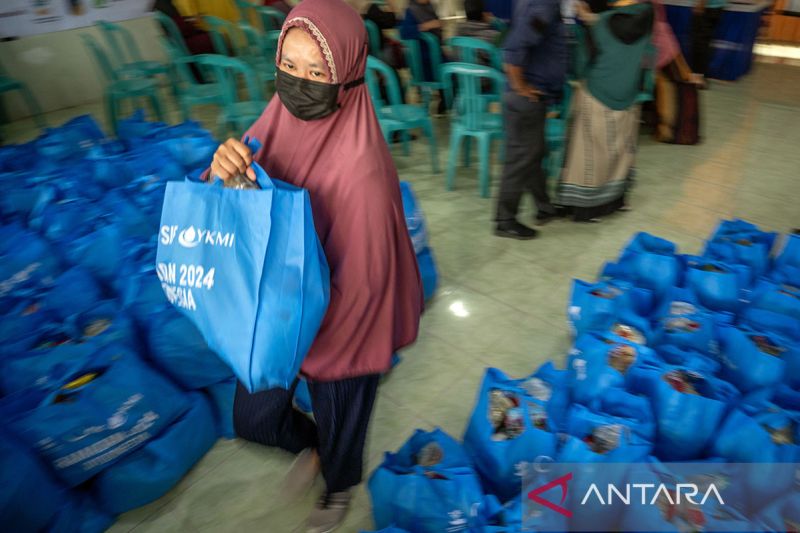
(33,106)
(452,159)
(156,105)
(484,148)
(111,112)
(467,151)
(432,145)
(406,146)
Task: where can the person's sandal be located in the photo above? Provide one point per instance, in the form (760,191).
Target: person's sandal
(329,512)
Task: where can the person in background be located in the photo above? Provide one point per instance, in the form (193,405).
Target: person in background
(383,15)
(604,133)
(705,19)
(478,23)
(535,61)
(420,17)
(197,40)
(320,132)
(676,104)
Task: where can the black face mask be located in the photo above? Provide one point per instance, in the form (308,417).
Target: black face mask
(308,99)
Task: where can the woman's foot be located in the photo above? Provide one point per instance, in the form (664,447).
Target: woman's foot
(329,512)
(301,475)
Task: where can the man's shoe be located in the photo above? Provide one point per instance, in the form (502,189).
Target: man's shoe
(301,475)
(329,512)
(515,230)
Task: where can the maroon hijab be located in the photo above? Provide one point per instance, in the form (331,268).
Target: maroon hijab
(344,163)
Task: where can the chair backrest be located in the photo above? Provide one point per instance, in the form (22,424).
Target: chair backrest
(172,31)
(476,51)
(378,71)
(434,53)
(374,34)
(100,57)
(120,40)
(179,60)
(228,70)
(271,18)
(471,102)
(248,41)
(247,11)
(218,29)
(412,49)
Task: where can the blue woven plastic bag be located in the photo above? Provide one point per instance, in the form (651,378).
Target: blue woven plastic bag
(689,408)
(510,427)
(96,416)
(444,496)
(148,473)
(248,269)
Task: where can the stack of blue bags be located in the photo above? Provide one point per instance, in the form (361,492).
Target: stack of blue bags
(681,365)
(109,395)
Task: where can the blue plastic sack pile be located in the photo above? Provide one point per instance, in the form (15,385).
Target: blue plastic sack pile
(676,359)
(109,395)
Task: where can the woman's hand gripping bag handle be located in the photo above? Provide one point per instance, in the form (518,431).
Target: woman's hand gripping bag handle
(247,268)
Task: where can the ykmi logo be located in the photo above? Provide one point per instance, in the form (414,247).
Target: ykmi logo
(192,237)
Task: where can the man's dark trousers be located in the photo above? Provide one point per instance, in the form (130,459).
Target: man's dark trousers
(525,150)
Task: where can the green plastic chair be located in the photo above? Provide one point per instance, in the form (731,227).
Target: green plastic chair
(247,11)
(470,49)
(128,60)
(172,32)
(9,84)
(220,32)
(119,89)
(374,34)
(237,114)
(190,92)
(413,54)
(472,117)
(246,44)
(271,18)
(395,115)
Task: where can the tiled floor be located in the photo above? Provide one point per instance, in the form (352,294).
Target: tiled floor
(509,297)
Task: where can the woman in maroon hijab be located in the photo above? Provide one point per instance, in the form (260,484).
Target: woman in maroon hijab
(320,132)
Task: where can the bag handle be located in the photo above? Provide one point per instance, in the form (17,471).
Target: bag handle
(262,178)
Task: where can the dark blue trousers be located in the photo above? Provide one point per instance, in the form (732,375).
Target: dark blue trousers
(339,430)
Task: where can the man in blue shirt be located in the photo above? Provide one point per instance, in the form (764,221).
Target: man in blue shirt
(535,57)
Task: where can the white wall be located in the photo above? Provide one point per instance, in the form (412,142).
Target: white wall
(59,69)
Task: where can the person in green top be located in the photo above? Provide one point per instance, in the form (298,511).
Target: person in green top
(611,53)
(705,19)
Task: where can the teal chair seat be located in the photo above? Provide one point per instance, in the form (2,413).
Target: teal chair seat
(472,119)
(395,115)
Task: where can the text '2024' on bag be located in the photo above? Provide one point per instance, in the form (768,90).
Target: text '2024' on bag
(247,267)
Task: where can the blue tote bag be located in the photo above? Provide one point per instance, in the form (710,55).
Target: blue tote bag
(32,500)
(682,321)
(148,473)
(650,262)
(780,294)
(500,463)
(718,286)
(598,363)
(97,415)
(248,269)
(753,359)
(418,231)
(789,255)
(689,359)
(689,407)
(443,496)
(782,515)
(740,242)
(607,304)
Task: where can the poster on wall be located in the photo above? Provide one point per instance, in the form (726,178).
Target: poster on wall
(20,18)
